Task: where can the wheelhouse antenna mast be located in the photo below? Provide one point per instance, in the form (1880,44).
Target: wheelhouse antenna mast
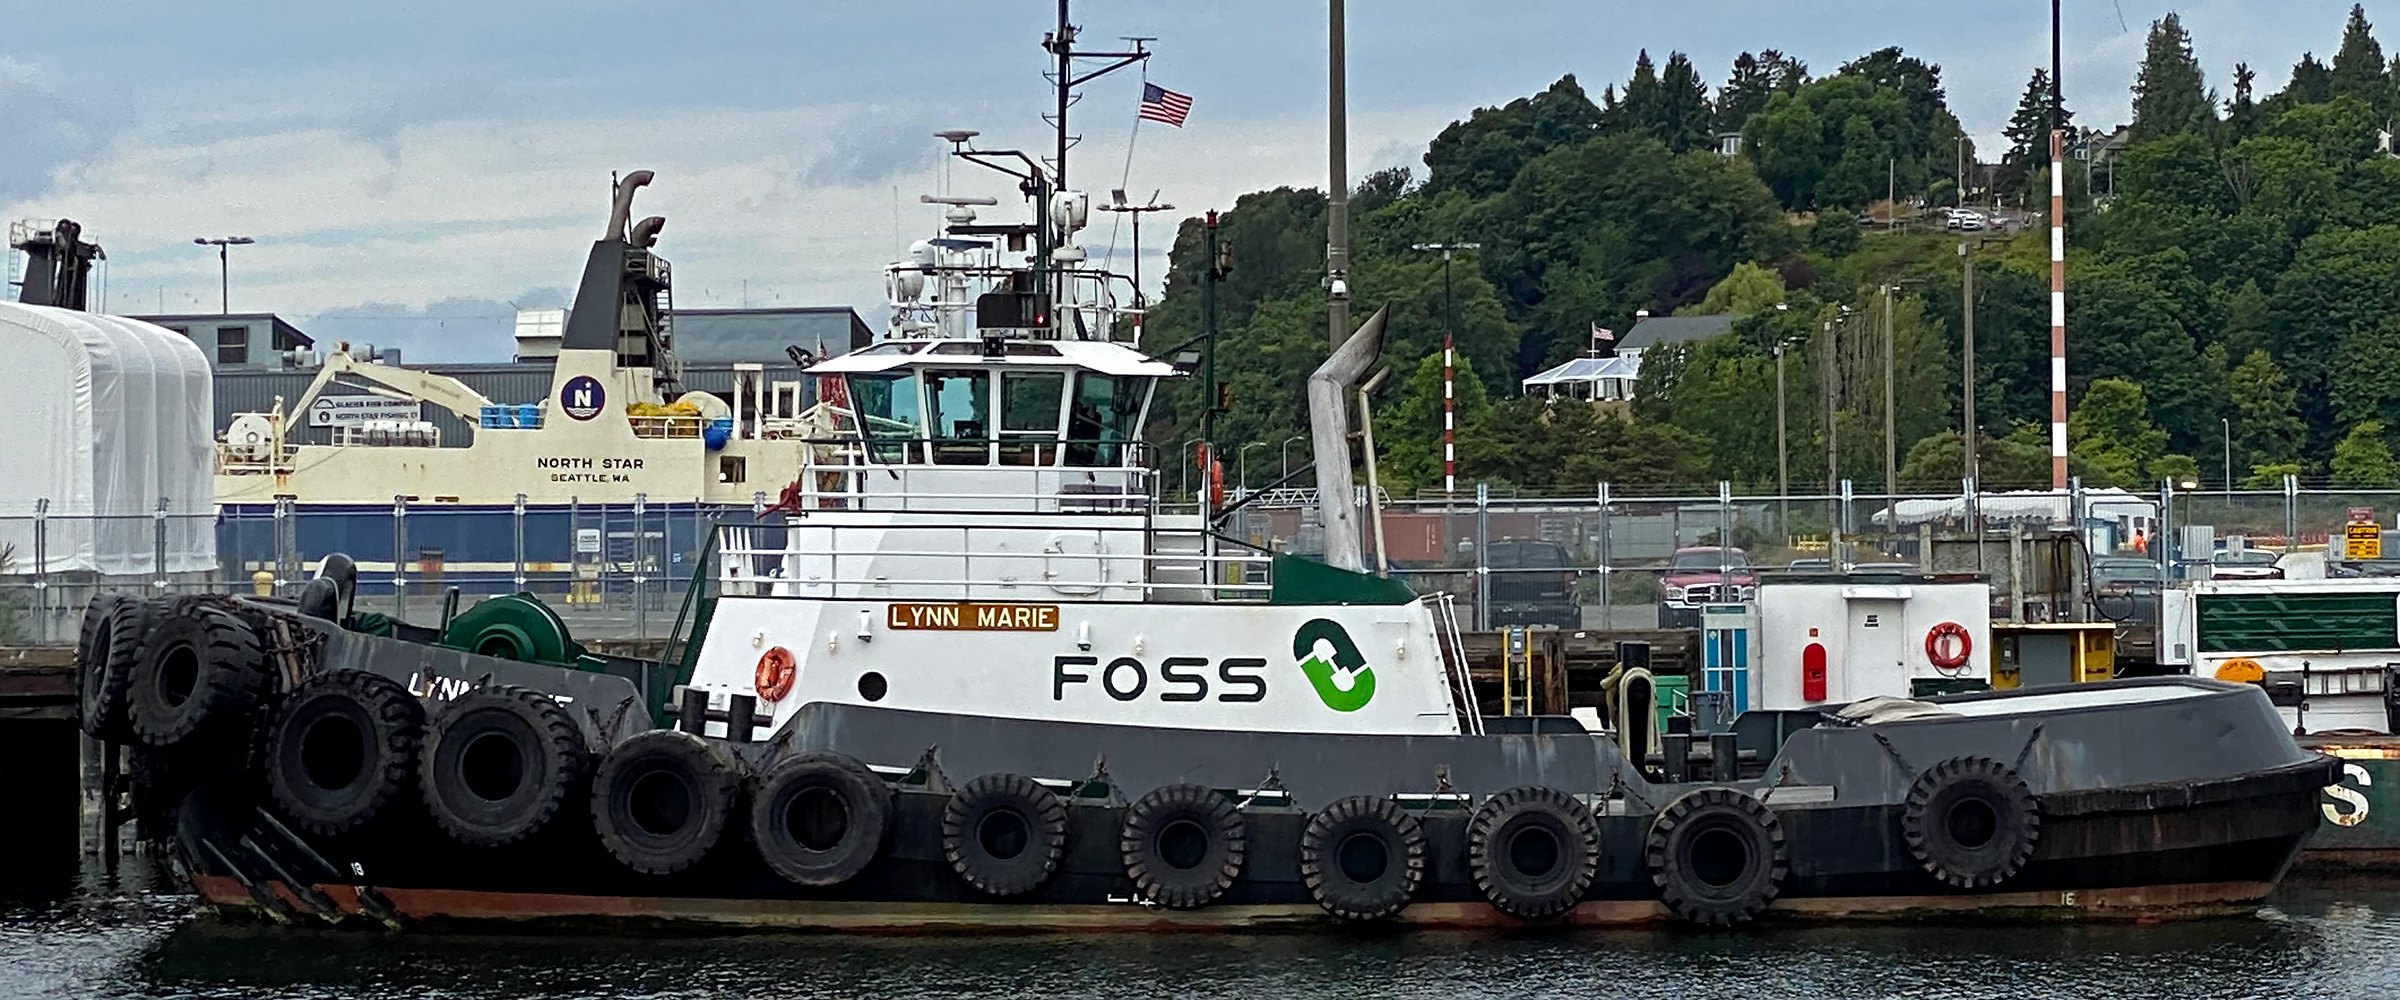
(1060,42)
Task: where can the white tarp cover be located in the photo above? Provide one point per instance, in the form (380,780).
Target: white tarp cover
(109,415)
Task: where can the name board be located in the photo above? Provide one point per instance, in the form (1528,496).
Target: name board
(975,617)
(2362,541)
(353,411)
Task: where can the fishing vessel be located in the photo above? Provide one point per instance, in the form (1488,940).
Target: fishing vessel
(971,673)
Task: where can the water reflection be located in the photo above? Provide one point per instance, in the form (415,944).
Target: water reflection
(122,938)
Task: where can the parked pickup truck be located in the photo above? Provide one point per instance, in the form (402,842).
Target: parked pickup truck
(1699,575)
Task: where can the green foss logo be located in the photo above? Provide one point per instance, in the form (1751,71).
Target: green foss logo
(1335,667)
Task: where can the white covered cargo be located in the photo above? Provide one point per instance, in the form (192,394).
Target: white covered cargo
(108,416)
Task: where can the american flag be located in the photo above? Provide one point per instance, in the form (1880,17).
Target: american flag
(1162,105)
(1600,333)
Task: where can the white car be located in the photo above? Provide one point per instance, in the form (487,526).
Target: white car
(1964,219)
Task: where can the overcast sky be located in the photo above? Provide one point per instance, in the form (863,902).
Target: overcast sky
(412,169)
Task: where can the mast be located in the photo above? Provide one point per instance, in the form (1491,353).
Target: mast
(2058,269)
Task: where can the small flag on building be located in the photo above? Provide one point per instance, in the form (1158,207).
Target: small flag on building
(1162,105)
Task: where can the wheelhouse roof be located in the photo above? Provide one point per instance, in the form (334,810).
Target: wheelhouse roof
(1104,358)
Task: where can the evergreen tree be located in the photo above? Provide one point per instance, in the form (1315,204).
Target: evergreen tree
(2358,69)
(2241,113)
(2363,460)
(1755,79)
(2110,435)
(2028,134)
(1640,105)
(2170,96)
(2311,83)
(2266,420)
(1681,117)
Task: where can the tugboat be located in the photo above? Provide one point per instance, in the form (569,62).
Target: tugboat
(971,674)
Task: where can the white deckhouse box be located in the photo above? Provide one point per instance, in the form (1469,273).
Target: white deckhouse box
(1834,639)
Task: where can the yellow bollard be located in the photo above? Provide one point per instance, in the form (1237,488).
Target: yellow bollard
(262,583)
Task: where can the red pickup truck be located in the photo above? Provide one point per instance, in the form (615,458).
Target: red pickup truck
(1700,575)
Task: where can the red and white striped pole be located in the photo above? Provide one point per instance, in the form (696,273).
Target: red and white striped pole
(1449,405)
(2058,267)
(2058,314)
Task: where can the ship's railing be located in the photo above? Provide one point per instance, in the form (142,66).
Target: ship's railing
(1170,562)
(668,425)
(850,483)
(1008,451)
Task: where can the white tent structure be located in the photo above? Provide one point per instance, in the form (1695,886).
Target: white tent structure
(111,416)
(1589,378)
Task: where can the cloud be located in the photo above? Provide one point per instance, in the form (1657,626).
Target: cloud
(46,130)
(463,328)
(870,146)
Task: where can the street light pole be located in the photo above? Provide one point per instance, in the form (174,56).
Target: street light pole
(2228,421)
(224,267)
(1891,444)
(1449,363)
(1967,356)
(1241,462)
(1285,452)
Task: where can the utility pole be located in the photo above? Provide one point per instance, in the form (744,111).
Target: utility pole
(2058,267)
(1833,462)
(1966,307)
(1211,400)
(1449,364)
(1891,444)
(1783,467)
(224,267)
(1337,204)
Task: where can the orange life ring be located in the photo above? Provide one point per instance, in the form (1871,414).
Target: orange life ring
(1938,651)
(1216,483)
(776,672)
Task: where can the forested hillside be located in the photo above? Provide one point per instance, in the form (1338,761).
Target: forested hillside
(2234,272)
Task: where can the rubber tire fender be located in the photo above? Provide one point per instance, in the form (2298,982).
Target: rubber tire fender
(1495,836)
(661,801)
(1009,869)
(541,744)
(1173,810)
(1346,825)
(360,729)
(197,668)
(1694,821)
(105,649)
(1931,818)
(865,801)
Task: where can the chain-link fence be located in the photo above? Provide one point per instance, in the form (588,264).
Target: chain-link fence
(1609,559)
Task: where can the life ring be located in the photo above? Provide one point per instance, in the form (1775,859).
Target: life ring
(1183,845)
(775,674)
(1216,483)
(1938,650)
(1004,834)
(500,763)
(820,818)
(1533,851)
(343,748)
(1971,822)
(1717,856)
(198,668)
(1363,857)
(661,800)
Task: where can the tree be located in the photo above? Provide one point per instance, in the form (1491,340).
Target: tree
(1749,289)
(1678,114)
(2028,134)
(2311,83)
(2110,435)
(2358,69)
(2170,95)
(2363,460)
(1862,174)
(1755,80)
(2241,113)
(1409,431)
(1479,155)
(2270,476)
(2266,419)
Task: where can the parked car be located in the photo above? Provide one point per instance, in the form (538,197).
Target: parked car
(1964,219)
(2247,564)
(1810,566)
(1703,574)
(1532,583)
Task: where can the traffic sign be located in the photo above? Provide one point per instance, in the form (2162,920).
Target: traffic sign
(353,411)
(2362,541)
(2358,514)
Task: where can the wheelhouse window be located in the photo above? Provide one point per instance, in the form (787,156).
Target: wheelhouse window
(959,404)
(888,414)
(1030,403)
(1104,417)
